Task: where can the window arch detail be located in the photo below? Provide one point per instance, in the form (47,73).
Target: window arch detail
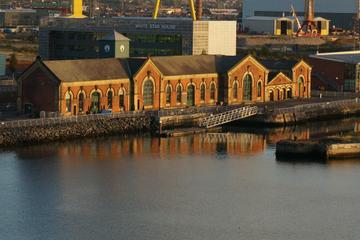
(259,89)
(179,93)
(68,100)
(247,87)
(81,98)
(168,94)
(212,91)
(235,90)
(148,92)
(110,96)
(202,91)
(122,94)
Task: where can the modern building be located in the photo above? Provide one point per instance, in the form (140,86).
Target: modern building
(340,13)
(336,71)
(12,18)
(73,87)
(75,38)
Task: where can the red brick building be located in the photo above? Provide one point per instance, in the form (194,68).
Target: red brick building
(84,86)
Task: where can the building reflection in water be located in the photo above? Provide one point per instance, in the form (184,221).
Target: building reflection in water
(139,147)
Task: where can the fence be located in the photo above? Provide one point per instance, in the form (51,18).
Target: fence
(195,110)
(316,93)
(72,119)
(315,106)
(171,112)
(85,118)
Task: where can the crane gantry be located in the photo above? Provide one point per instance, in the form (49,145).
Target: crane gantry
(191,5)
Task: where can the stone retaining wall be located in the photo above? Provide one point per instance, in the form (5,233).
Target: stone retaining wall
(288,118)
(73,130)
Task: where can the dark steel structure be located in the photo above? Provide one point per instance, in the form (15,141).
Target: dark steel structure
(308,27)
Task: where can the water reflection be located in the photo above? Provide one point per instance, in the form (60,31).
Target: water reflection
(249,141)
(208,186)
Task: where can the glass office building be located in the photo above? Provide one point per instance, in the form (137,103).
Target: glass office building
(65,38)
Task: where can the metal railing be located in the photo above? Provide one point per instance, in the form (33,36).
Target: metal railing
(315,106)
(228,116)
(316,93)
(70,119)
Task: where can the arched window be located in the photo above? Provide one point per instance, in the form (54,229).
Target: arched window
(259,90)
(235,91)
(178,94)
(301,87)
(191,95)
(212,91)
(148,93)
(278,94)
(68,101)
(168,94)
(81,101)
(121,98)
(202,92)
(284,93)
(247,86)
(110,99)
(95,102)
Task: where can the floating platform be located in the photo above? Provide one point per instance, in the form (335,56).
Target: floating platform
(186,132)
(322,149)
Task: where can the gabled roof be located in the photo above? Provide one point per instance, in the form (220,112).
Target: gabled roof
(88,69)
(189,65)
(134,64)
(185,65)
(277,64)
(274,75)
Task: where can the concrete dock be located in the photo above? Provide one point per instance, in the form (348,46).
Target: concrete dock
(321,149)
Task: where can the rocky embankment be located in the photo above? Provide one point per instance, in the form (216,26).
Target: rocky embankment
(66,131)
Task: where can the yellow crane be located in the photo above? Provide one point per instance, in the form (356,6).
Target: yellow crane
(192,8)
(77,7)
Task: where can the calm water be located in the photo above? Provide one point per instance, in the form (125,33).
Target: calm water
(210,186)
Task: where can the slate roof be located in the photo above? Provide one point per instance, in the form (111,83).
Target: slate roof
(278,65)
(202,64)
(88,69)
(134,64)
(111,68)
(275,67)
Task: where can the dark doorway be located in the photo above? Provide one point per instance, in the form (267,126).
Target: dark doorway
(283,26)
(271,96)
(289,93)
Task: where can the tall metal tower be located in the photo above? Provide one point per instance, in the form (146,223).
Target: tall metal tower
(308,27)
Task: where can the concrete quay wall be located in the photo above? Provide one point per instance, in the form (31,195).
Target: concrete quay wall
(294,115)
(341,150)
(320,150)
(72,130)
